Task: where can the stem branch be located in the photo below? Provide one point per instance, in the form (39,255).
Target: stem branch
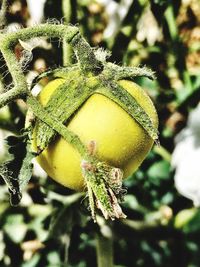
(7,97)
(7,43)
(46,30)
(3,10)
(69,13)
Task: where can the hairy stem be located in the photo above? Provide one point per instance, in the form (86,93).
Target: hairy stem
(14,68)
(3,10)
(85,55)
(45,30)
(10,96)
(69,13)
(7,43)
(130,72)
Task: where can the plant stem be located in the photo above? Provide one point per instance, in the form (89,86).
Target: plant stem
(9,96)
(68,10)
(170,18)
(14,68)
(160,150)
(104,251)
(45,30)
(88,62)
(7,43)
(3,10)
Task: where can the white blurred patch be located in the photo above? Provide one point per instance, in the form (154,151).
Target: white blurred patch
(2,143)
(186,158)
(148,28)
(38,171)
(2,246)
(3,148)
(13,27)
(28,46)
(36,9)
(116,13)
(31,75)
(26,200)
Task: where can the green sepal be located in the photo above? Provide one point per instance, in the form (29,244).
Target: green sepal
(63,103)
(127,102)
(54,73)
(130,73)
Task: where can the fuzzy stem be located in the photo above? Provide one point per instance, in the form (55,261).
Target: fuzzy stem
(46,30)
(85,55)
(104,251)
(14,68)
(131,72)
(9,96)
(7,43)
(68,10)
(3,10)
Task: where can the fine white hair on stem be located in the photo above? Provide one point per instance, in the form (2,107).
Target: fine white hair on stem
(2,66)
(53,21)
(27,56)
(9,86)
(13,27)
(102,54)
(5,73)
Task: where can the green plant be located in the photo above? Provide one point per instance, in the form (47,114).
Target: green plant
(91,66)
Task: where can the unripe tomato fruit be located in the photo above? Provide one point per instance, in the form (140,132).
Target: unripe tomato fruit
(120,140)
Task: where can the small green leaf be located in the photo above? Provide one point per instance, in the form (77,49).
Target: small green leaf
(159,171)
(17,171)
(15,227)
(129,72)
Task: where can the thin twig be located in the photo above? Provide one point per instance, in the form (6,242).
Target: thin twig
(69,17)
(3,11)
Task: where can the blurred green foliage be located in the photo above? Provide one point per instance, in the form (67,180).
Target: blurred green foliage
(52,227)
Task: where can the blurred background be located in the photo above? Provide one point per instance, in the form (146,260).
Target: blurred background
(51,227)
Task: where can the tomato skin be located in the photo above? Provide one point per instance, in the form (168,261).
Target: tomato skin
(120,140)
